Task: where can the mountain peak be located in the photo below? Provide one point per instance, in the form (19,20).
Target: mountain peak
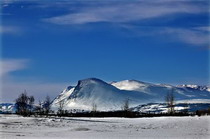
(90,80)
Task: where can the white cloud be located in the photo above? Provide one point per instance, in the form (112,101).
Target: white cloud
(10,87)
(9,30)
(124,12)
(194,36)
(11,65)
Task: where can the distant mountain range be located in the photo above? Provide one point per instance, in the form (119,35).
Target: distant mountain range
(7,108)
(142,96)
(112,96)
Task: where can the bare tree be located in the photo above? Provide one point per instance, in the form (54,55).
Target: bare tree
(125,106)
(24,104)
(38,109)
(94,107)
(31,100)
(47,105)
(170,101)
(61,107)
(21,103)
(31,103)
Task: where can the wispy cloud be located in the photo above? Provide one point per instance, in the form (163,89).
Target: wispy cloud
(10,86)
(194,36)
(128,14)
(11,65)
(9,30)
(125,12)
(205,28)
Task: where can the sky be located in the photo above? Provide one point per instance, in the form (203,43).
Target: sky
(47,45)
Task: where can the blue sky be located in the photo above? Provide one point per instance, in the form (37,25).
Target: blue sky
(48,45)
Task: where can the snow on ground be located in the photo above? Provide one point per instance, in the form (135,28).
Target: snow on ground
(12,126)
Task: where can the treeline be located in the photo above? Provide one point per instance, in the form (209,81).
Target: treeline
(120,113)
(25,105)
(203,112)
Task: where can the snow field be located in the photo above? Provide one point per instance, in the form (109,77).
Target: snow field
(13,126)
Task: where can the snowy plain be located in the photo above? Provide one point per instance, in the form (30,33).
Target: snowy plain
(13,126)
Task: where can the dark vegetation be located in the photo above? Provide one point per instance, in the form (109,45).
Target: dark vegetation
(24,104)
(169,98)
(203,112)
(130,114)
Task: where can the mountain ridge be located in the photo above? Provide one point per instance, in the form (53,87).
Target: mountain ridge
(111,96)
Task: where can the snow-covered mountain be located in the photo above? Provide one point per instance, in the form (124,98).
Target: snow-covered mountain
(160,90)
(105,96)
(7,108)
(94,91)
(193,86)
(64,95)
